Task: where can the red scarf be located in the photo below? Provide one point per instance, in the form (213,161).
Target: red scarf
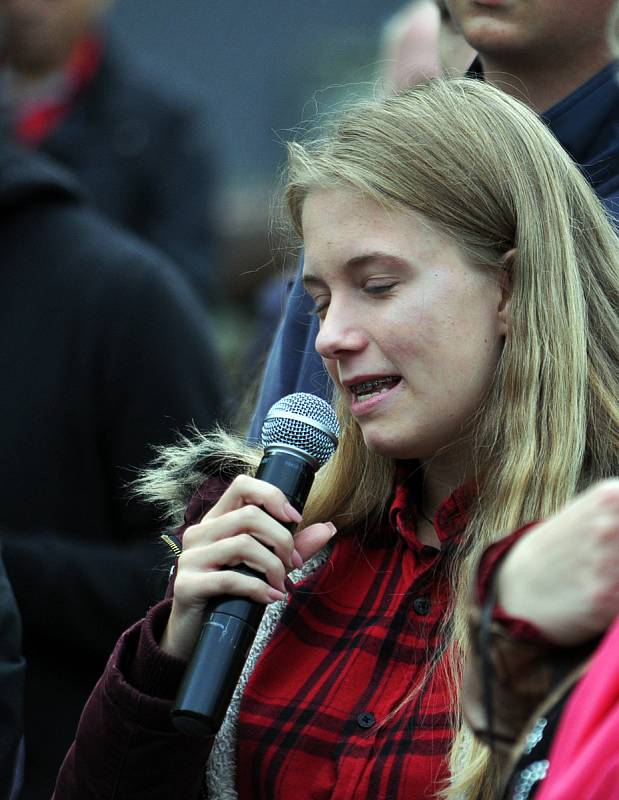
(38,120)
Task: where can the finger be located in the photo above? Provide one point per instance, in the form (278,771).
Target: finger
(247,519)
(187,615)
(310,540)
(197,588)
(245,490)
(230,552)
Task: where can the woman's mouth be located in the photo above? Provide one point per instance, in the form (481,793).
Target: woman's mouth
(366,390)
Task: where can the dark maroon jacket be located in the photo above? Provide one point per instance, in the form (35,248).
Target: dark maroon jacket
(126,744)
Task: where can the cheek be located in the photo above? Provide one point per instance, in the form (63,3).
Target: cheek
(472,364)
(460,336)
(474,345)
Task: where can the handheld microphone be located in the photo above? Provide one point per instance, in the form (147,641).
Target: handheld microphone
(299,435)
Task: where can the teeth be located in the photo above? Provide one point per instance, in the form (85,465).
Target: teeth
(368,389)
(359,387)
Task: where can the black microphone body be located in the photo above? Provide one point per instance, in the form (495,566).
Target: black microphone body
(230,623)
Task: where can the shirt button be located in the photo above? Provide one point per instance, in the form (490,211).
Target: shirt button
(365,719)
(421,606)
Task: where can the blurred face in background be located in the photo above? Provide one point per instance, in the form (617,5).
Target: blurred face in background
(410,46)
(546,28)
(455,53)
(39,35)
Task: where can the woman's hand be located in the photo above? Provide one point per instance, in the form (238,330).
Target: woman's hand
(246,526)
(564,574)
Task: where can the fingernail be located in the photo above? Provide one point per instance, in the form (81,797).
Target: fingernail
(275,595)
(296,560)
(292,512)
(331,527)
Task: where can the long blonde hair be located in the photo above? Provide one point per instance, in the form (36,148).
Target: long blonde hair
(484,168)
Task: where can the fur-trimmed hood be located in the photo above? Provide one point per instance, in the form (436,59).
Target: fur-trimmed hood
(177,471)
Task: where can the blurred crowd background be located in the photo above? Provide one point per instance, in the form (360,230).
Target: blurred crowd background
(141,143)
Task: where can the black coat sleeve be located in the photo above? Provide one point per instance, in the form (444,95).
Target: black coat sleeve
(152,370)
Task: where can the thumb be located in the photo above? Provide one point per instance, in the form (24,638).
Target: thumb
(310,540)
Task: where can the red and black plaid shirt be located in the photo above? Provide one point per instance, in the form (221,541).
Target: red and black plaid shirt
(356,637)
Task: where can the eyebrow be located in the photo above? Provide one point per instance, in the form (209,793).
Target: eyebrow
(358,261)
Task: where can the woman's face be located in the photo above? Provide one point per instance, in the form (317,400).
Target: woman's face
(410,331)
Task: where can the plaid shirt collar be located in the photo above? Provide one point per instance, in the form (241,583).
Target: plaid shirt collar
(451,516)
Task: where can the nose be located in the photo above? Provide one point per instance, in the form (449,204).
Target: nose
(340,333)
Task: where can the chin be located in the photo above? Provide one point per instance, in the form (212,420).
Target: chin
(402,448)
(389,446)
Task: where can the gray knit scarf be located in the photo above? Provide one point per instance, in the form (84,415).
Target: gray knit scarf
(220,776)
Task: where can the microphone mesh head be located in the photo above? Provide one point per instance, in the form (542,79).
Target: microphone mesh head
(303,421)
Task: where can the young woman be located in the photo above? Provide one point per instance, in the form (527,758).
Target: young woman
(465,278)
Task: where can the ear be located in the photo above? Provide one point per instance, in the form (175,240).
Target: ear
(505,281)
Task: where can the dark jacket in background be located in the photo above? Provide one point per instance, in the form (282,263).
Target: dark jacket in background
(139,150)
(12,668)
(585,122)
(104,352)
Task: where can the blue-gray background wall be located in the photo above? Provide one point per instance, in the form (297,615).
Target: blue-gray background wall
(255,66)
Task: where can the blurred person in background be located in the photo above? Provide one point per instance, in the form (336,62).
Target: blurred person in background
(409,46)
(138,147)
(455,53)
(105,352)
(420,42)
(553,54)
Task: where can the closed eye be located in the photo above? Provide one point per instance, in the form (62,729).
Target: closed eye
(379,288)
(321,304)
